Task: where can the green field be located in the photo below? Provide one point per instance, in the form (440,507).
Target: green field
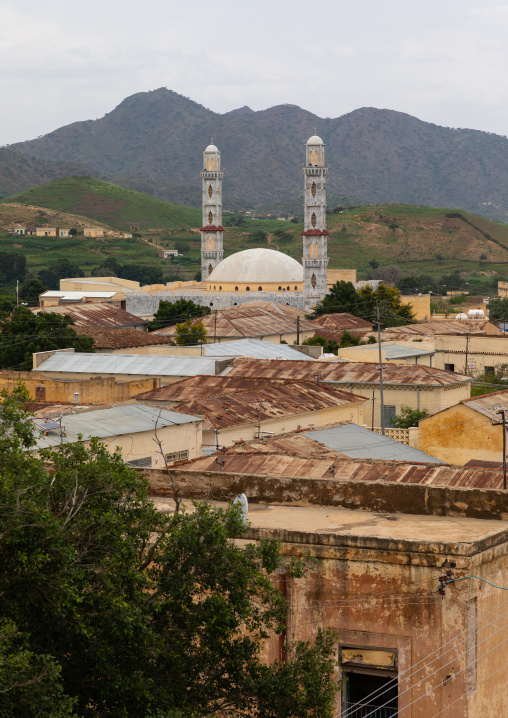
(109,203)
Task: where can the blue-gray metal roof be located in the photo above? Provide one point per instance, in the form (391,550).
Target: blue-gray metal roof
(398,351)
(255,348)
(116,421)
(358,442)
(135,364)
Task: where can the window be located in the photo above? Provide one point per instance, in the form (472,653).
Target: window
(213,243)
(212,164)
(220,289)
(247,289)
(288,289)
(316,250)
(279,289)
(210,191)
(218,163)
(311,158)
(144,463)
(214,287)
(210,269)
(177,456)
(311,248)
(489,370)
(236,289)
(296,288)
(390,413)
(210,217)
(208,164)
(313,189)
(260,289)
(449,367)
(313,219)
(313,281)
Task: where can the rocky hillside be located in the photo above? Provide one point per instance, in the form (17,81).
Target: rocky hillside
(153,141)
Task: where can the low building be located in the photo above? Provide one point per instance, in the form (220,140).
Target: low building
(64,232)
(470,430)
(419,387)
(19,229)
(98,284)
(380,535)
(54,298)
(93,232)
(471,353)
(168,253)
(97,314)
(391,353)
(132,428)
(67,364)
(45,232)
(113,341)
(243,409)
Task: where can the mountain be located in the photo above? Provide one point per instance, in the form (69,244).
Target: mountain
(19,172)
(378,155)
(106,202)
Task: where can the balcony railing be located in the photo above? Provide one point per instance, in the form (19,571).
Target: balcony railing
(361,710)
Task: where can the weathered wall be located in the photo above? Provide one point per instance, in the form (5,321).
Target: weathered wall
(365,354)
(479,351)
(419,305)
(460,434)
(97,390)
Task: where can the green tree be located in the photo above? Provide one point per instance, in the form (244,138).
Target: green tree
(409,417)
(393,312)
(147,614)
(374,264)
(330,346)
(49,278)
(439,257)
(7,304)
(258,236)
(342,297)
(73,232)
(189,333)
(30,290)
(170,313)
(483,257)
(498,309)
(25,333)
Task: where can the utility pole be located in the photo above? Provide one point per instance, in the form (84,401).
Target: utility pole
(467,351)
(501,411)
(382,408)
(298,330)
(215,327)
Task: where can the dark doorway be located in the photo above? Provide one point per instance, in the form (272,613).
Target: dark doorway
(375,696)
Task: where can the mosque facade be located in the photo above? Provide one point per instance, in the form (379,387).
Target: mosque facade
(260,273)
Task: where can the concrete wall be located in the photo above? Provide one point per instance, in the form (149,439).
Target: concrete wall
(340,275)
(460,434)
(97,390)
(97,284)
(366,354)
(419,304)
(482,351)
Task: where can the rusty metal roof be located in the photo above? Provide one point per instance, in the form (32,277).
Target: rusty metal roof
(339,469)
(341,321)
(248,321)
(345,372)
(266,400)
(467,326)
(113,338)
(487,404)
(97,314)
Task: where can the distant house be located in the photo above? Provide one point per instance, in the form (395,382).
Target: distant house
(168,253)
(64,232)
(45,232)
(93,232)
(19,229)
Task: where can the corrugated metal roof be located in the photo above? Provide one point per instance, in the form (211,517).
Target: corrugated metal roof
(77,295)
(357,442)
(134,364)
(468,326)
(346,372)
(341,321)
(115,338)
(255,348)
(116,421)
(487,404)
(97,314)
(397,351)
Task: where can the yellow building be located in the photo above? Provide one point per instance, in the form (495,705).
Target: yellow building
(97,284)
(391,353)
(472,429)
(93,232)
(45,231)
(257,270)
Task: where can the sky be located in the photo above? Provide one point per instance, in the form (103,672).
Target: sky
(443,61)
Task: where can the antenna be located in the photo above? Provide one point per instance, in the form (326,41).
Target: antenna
(241,500)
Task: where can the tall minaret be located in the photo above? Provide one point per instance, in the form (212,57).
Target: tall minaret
(212,230)
(315,242)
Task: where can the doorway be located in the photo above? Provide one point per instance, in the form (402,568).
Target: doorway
(369,694)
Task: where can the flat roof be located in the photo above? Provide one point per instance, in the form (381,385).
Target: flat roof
(116,421)
(134,364)
(255,348)
(331,525)
(397,351)
(76,295)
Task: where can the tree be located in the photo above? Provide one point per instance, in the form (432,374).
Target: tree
(409,417)
(182,247)
(189,333)
(439,257)
(147,614)
(170,313)
(483,257)
(498,309)
(342,297)
(73,232)
(25,333)
(393,312)
(374,264)
(258,236)
(393,226)
(30,291)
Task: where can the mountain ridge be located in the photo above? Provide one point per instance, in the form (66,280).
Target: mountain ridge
(378,155)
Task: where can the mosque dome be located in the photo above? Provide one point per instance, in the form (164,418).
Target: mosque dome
(255,266)
(211,148)
(315,140)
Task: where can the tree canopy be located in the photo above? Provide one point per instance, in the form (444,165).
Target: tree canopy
(170,313)
(111,608)
(498,309)
(188,333)
(24,333)
(343,297)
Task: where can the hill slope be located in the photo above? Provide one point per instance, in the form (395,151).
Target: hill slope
(109,203)
(378,155)
(19,172)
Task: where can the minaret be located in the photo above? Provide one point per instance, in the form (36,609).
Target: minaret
(314,235)
(212,230)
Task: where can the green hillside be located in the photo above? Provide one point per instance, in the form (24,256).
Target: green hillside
(109,203)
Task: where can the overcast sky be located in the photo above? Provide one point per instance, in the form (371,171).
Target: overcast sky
(444,61)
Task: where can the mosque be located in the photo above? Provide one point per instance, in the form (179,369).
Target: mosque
(262,274)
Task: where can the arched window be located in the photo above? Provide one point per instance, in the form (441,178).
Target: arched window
(279,289)
(220,289)
(211,164)
(213,243)
(218,164)
(207,164)
(210,217)
(210,191)
(312,189)
(296,288)
(311,158)
(214,288)
(247,289)
(323,158)
(313,281)
(236,289)
(208,242)
(288,289)
(313,219)
(210,269)
(316,250)
(311,253)
(260,289)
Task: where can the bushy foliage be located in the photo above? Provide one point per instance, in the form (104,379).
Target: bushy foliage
(189,333)
(135,272)
(170,313)
(12,267)
(409,417)
(30,291)
(126,611)
(343,297)
(498,309)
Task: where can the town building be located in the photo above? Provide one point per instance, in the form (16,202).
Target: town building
(97,314)
(391,353)
(54,298)
(45,232)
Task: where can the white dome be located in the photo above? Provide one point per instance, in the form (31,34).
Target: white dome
(315,140)
(212,148)
(255,266)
